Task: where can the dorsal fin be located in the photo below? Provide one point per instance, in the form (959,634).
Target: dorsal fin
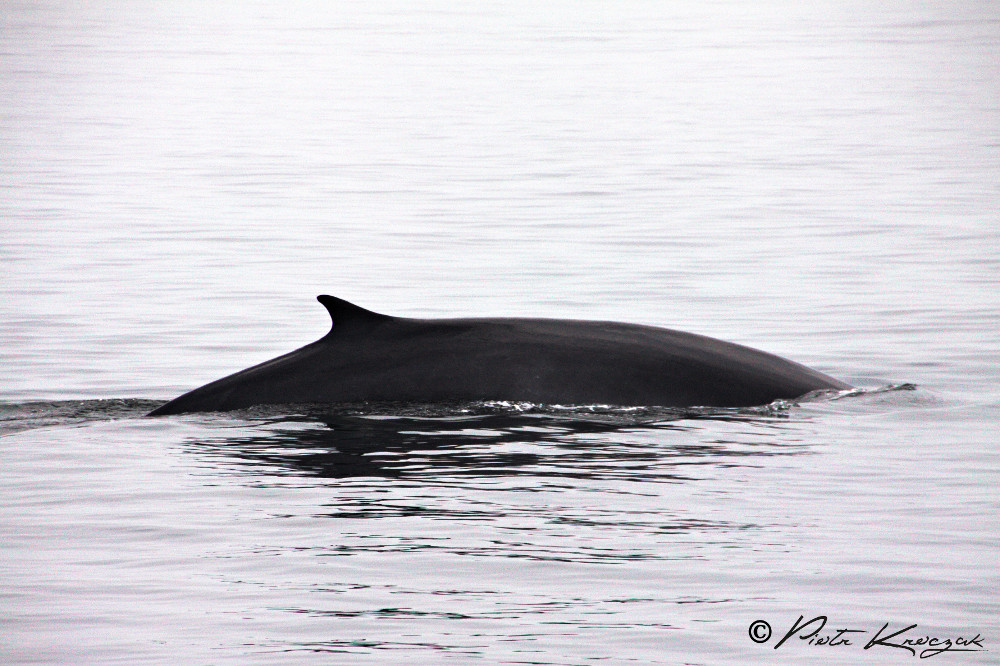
(343,313)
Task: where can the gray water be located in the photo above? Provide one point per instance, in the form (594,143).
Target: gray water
(180,180)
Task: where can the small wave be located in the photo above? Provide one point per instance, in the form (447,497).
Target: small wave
(17,417)
(596,413)
(855,392)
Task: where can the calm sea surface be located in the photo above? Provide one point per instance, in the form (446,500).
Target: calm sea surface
(178,181)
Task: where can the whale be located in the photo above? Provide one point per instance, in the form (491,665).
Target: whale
(371,357)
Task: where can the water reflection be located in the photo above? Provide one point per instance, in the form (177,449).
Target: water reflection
(499,443)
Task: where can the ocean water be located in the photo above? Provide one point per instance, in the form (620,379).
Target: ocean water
(180,180)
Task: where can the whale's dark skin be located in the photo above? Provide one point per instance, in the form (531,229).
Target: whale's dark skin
(372,357)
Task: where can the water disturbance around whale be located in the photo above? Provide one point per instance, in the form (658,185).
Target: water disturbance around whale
(368,356)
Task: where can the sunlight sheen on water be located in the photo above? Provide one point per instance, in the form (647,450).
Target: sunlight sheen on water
(180,181)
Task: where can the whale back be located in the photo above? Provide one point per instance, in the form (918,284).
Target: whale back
(367,356)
